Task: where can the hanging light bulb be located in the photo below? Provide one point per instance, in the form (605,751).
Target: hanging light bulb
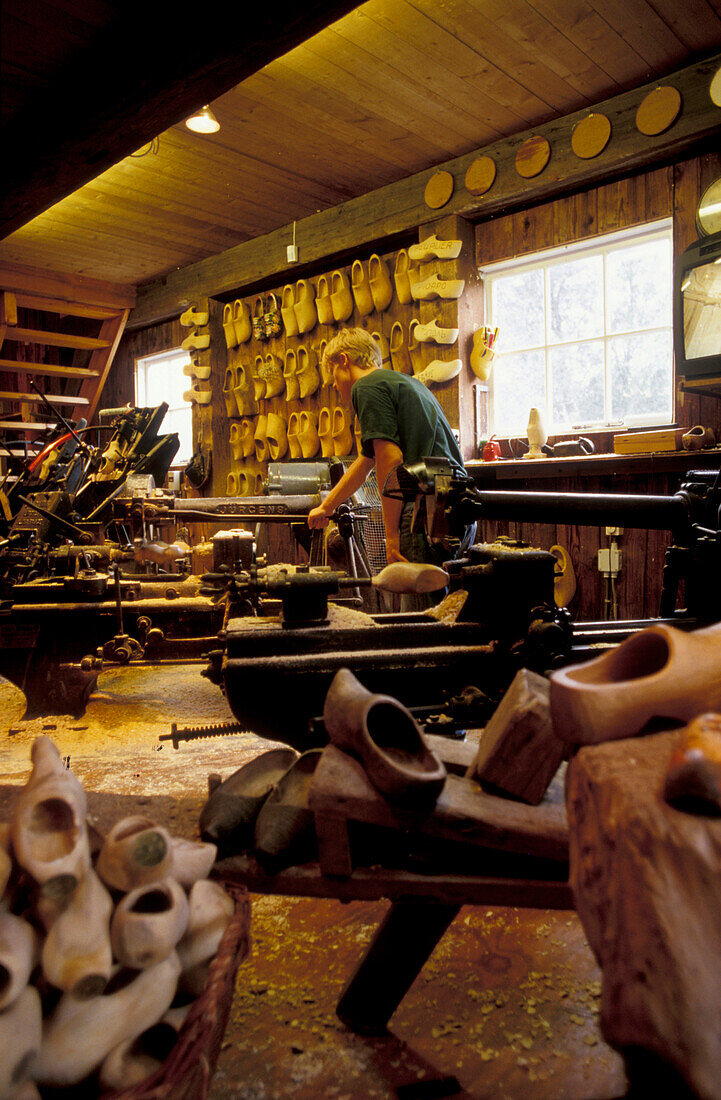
(203,121)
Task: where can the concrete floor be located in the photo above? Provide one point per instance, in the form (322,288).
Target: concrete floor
(507,1005)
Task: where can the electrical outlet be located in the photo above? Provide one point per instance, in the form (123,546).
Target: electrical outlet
(291,253)
(609,561)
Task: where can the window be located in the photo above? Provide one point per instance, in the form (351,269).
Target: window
(584,334)
(160,378)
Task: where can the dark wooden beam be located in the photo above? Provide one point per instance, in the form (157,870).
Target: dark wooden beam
(399,208)
(155,64)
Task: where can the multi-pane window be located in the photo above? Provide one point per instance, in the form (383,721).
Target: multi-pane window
(584,334)
(160,378)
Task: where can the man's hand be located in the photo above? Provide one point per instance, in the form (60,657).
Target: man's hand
(318,518)
(393,551)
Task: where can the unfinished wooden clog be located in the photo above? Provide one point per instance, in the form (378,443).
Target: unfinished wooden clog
(434,286)
(134,852)
(294,448)
(292,386)
(231,339)
(380,283)
(325,432)
(20,1040)
(197,396)
(341,297)
(148,923)
(273,374)
(537,435)
(308,434)
(49,833)
(134,1060)
(400,357)
(197,341)
(698,438)
(259,378)
(305,311)
(241,322)
(342,436)
(380,732)
(228,817)
(247,438)
(287,309)
(401,277)
(440,370)
(693,778)
(361,288)
(195,369)
(276,435)
(209,912)
(660,673)
(194,318)
(261,438)
(433,249)
(18,955)
(76,955)
(433,333)
(229,384)
(409,578)
(307,373)
(258,319)
(284,830)
(132,1001)
(323,304)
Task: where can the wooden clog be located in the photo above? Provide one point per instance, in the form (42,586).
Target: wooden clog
(242,322)
(361,288)
(209,912)
(232,484)
(247,438)
(259,378)
(308,434)
(294,448)
(228,817)
(18,955)
(433,249)
(342,436)
(564,579)
(482,355)
(400,357)
(244,390)
(231,339)
(272,320)
(660,673)
(134,852)
(134,1060)
(273,374)
(234,442)
(440,370)
(20,1040)
(305,312)
(276,435)
(261,438)
(287,310)
(307,373)
(380,732)
(326,371)
(414,348)
(257,320)
(323,304)
(341,297)
(229,384)
(76,955)
(401,277)
(433,333)
(48,830)
(325,432)
(130,1003)
(194,318)
(284,832)
(380,283)
(424,290)
(384,347)
(292,386)
(192,860)
(148,923)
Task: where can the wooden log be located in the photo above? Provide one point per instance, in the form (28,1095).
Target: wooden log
(519,753)
(647,886)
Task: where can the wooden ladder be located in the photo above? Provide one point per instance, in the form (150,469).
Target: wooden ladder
(75,388)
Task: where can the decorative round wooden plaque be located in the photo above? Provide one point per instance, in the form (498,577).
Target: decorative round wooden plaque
(590,136)
(715,89)
(480,175)
(438,190)
(658,110)
(533,156)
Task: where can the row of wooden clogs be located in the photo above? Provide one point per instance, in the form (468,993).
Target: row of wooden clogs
(302,435)
(334,298)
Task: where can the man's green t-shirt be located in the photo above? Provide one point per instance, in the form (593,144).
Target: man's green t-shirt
(401,409)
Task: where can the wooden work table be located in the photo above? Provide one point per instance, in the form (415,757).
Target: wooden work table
(592,466)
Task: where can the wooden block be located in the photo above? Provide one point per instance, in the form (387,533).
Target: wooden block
(533,156)
(634,443)
(658,110)
(590,136)
(438,190)
(518,752)
(480,175)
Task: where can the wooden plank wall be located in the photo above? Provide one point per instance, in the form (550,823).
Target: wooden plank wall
(669,191)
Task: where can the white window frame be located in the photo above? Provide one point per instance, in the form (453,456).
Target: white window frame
(145,363)
(602,245)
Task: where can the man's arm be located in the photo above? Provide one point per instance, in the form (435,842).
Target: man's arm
(388,456)
(352,480)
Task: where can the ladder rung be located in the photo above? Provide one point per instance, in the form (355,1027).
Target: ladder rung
(51,369)
(25,426)
(65,309)
(55,339)
(54,398)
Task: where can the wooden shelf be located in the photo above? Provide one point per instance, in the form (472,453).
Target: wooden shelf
(706,387)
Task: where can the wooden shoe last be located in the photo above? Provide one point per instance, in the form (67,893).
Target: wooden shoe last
(380,732)
(431,333)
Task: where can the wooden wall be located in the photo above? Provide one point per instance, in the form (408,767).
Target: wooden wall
(672,191)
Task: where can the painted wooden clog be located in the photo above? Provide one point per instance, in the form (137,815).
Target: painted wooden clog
(307,373)
(76,955)
(18,955)
(306,314)
(148,923)
(341,297)
(380,732)
(272,320)
(257,319)
(482,355)
(660,673)
(135,851)
(308,434)
(131,1002)
(380,283)
(48,830)
(209,912)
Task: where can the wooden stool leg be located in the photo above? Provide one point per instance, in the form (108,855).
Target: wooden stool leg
(403,942)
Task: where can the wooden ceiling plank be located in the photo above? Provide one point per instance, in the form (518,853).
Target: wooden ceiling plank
(696,23)
(645,30)
(578,21)
(442,53)
(71,288)
(50,160)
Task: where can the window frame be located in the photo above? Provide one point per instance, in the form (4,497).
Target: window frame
(543,259)
(142,364)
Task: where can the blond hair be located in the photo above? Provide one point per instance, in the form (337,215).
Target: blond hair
(359,346)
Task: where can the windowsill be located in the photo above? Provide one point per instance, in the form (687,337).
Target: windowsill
(591,465)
